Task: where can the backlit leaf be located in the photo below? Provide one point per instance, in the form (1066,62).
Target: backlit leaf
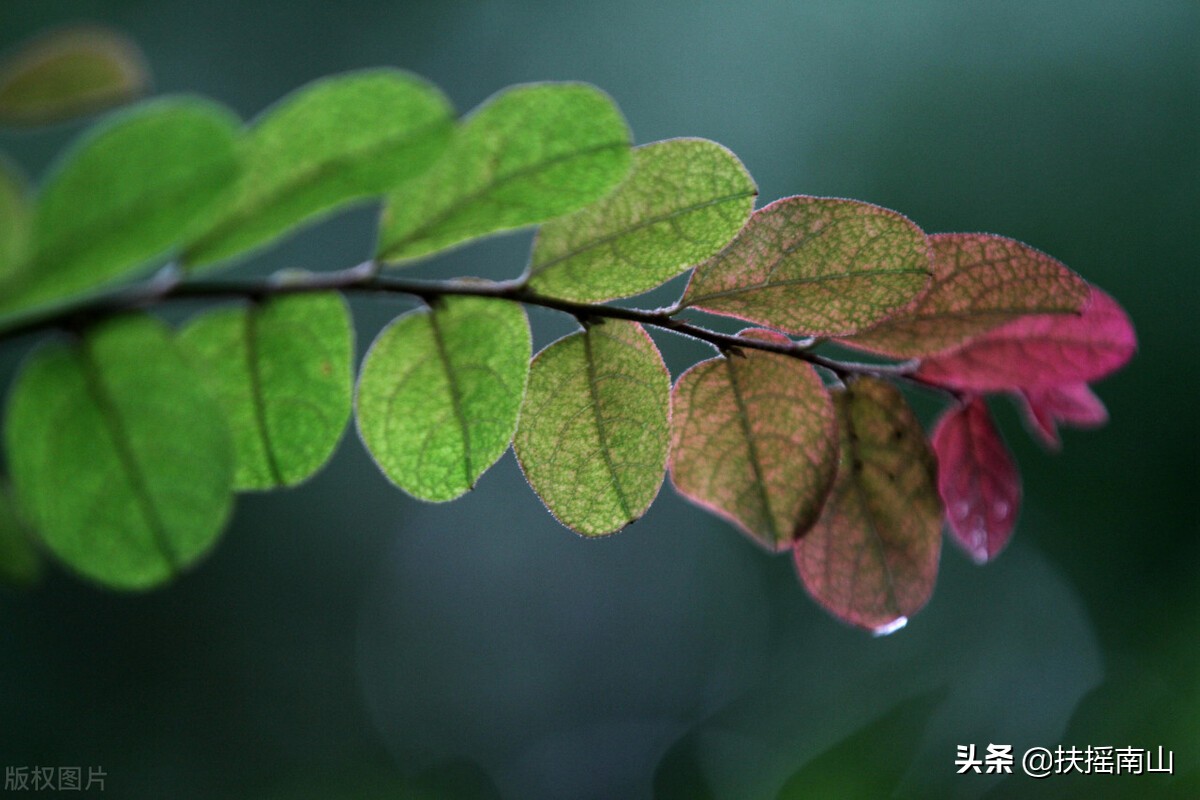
(1038,351)
(67,73)
(977,480)
(683,202)
(440,391)
(281,371)
(120,459)
(20,563)
(14,220)
(1045,407)
(126,193)
(594,427)
(815,266)
(755,441)
(872,557)
(528,154)
(980,281)
(333,141)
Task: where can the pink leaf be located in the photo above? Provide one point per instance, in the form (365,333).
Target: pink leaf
(1069,403)
(977,479)
(980,282)
(1038,351)
(872,557)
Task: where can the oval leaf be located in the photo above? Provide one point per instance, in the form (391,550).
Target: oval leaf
(980,282)
(333,141)
(528,154)
(594,427)
(1038,351)
(119,458)
(20,563)
(440,391)
(683,202)
(872,557)
(815,266)
(130,190)
(14,220)
(754,440)
(67,73)
(977,480)
(282,373)
(1045,407)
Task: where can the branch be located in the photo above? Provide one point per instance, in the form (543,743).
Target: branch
(169,285)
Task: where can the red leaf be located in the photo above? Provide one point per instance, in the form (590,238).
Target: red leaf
(977,479)
(980,282)
(872,557)
(1069,403)
(1038,351)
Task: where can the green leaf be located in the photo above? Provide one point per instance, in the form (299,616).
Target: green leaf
(815,266)
(282,373)
(126,193)
(595,427)
(683,202)
(120,459)
(331,142)
(20,563)
(68,73)
(439,393)
(980,282)
(14,220)
(528,154)
(754,440)
(872,557)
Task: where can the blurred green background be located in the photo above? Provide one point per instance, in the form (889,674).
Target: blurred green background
(346,641)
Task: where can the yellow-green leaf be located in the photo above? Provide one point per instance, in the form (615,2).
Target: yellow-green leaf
(815,266)
(439,393)
(120,459)
(872,557)
(754,440)
(594,428)
(334,141)
(530,153)
(20,563)
(69,72)
(683,202)
(281,371)
(14,220)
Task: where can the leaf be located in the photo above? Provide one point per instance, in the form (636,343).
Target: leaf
(336,140)
(980,282)
(530,153)
(14,220)
(1038,351)
(120,459)
(594,428)
(1044,407)
(68,73)
(20,563)
(126,193)
(282,373)
(872,557)
(977,480)
(815,266)
(755,442)
(683,202)
(439,393)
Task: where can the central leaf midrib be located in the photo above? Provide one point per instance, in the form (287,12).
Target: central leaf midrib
(258,401)
(120,438)
(455,395)
(836,276)
(601,434)
(748,433)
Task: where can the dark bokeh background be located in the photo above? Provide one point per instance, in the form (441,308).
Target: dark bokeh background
(347,641)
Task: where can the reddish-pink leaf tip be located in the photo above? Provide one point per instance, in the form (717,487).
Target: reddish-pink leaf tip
(1045,407)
